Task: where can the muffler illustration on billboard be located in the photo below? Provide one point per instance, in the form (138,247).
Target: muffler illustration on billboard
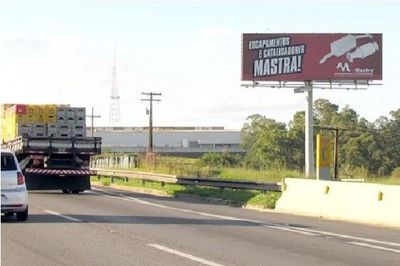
(346,44)
(363,51)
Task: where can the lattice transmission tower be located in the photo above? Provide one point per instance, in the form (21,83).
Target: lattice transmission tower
(115,116)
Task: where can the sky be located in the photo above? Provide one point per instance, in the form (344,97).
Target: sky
(62,52)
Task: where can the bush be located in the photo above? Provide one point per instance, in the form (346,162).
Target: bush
(220,159)
(106,182)
(356,172)
(396,173)
(265,200)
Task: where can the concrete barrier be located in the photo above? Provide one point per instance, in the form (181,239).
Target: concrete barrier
(355,202)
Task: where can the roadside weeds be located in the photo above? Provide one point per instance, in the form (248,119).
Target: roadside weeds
(249,199)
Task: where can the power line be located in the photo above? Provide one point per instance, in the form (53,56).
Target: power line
(150,95)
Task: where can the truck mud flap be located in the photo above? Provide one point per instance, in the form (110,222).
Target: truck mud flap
(49,182)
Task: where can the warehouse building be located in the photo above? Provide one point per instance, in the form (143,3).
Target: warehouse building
(170,140)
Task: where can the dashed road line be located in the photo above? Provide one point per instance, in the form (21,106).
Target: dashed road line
(184,255)
(63,216)
(290,229)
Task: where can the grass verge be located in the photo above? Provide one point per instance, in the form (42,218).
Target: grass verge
(265,176)
(250,198)
(383,180)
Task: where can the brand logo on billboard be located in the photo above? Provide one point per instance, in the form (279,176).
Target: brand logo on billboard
(343,66)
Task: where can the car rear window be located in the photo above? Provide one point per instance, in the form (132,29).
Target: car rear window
(8,162)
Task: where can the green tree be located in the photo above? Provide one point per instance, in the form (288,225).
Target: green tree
(372,147)
(347,118)
(265,141)
(365,151)
(325,112)
(295,135)
(390,136)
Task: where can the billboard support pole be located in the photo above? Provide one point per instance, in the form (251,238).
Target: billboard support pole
(309,141)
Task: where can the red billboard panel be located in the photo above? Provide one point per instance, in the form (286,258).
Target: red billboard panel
(321,57)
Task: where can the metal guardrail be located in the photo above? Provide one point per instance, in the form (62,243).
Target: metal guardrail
(192,181)
(126,175)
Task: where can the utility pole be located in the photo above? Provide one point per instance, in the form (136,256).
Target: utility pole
(92,117)
(150,95)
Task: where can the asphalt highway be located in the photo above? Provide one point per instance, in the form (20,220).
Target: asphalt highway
(106,226)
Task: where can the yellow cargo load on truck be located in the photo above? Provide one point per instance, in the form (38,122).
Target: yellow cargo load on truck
(42,120)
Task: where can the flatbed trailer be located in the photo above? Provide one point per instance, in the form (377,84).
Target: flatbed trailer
(54,162)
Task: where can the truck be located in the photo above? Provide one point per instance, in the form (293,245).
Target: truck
(51,145)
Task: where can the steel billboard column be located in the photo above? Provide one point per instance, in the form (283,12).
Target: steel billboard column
(309,141)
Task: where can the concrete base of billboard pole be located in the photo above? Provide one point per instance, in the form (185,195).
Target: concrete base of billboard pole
(323,173)
(309,142)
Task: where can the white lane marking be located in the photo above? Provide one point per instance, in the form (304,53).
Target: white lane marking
(351,237)
(221,217)
(299,230)
(374,247)
(63,216)
(185,255)
(290,229)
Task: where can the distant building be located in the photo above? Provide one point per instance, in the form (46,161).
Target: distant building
(170,140)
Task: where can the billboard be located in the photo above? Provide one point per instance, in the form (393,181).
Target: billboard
(309,56)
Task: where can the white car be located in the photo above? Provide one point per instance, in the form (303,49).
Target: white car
(14,196)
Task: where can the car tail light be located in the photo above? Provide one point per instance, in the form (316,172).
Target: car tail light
(20,178)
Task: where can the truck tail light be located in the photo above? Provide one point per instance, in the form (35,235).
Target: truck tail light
(36,162)
(20,178)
